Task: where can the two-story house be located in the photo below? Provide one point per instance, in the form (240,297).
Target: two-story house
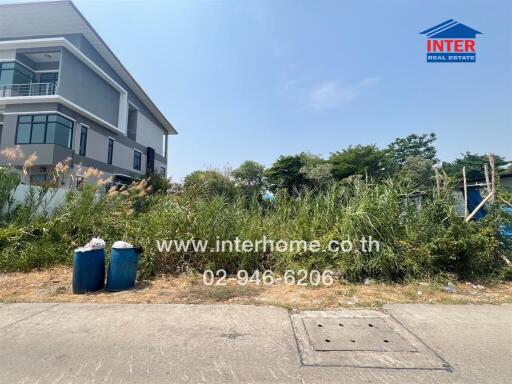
(64,94)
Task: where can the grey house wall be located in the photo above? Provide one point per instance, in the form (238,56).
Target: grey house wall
(149,134)
(79,84)
(97,136)
(85,88)
(97,146)
(81,43)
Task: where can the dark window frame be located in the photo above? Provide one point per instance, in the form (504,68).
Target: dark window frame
(82,148)
(137,160)
(48,119)
(110,150)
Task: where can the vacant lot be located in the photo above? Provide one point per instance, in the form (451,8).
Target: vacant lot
(54,285)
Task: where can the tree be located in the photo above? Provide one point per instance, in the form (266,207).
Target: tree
(209,183)
(250,174)
(358,160)
(318,175)
(159,183)
(291,172)
(474,164)
(419,146)
(419,171)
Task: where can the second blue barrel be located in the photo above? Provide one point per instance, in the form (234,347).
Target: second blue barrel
(122,269)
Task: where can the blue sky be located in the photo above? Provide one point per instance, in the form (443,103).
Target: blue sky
(257,79)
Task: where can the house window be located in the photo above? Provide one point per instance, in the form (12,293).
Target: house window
(137,156)
(132,123)
(38,179)
(44,129)
(110,150)
(15,73)
(49,77)
(83,141)
(162,171)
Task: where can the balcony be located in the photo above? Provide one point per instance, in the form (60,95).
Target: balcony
(31,89)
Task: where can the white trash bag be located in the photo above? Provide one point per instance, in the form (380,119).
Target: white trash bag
(95,243)
(122,244)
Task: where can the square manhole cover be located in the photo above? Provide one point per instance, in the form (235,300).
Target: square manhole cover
(354,334)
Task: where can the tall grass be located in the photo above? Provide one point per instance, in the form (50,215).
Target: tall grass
(415,241)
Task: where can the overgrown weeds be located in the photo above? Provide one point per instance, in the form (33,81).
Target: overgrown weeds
(424,239)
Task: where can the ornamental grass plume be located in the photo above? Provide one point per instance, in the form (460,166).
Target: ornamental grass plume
(113,191)
(12,153)
(61,167)
(92,172)
(101,182)
(29,162)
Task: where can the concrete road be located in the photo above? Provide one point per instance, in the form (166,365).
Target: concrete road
(89,343)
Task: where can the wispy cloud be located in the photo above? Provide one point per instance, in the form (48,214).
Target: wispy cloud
(332,94)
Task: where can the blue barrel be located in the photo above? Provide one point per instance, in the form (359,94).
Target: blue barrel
(122,269)
(88,270)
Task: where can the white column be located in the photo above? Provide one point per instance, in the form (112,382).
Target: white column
(122,120)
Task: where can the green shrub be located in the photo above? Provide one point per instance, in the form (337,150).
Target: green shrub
(415,241)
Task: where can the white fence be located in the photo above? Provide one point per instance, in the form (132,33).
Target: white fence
(51,200)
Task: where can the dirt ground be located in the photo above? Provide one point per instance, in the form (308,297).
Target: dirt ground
(54,285)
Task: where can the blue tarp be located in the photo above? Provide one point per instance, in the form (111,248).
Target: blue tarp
(474,198)
(506,230)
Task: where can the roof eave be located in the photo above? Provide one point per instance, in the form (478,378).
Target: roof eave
(161,118)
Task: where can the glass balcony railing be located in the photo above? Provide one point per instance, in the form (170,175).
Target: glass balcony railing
(32,89)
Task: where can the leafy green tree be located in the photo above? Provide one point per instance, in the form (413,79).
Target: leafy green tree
(291,172)
(358,160)
(419,171)
(474,164)
(250,174)
(419,146)
(209,183)
(249,178)
(318,175)
(159,183)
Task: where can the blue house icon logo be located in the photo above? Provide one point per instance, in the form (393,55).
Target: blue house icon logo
(451,42)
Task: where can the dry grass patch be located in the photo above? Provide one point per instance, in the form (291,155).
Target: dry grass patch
(54,285)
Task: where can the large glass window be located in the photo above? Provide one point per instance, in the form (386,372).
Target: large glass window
(110,152)
(44,129)
(23,133)
(38,133)
(137,159)
(15,73)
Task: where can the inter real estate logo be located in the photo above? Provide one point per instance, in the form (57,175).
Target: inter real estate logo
(451,42)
